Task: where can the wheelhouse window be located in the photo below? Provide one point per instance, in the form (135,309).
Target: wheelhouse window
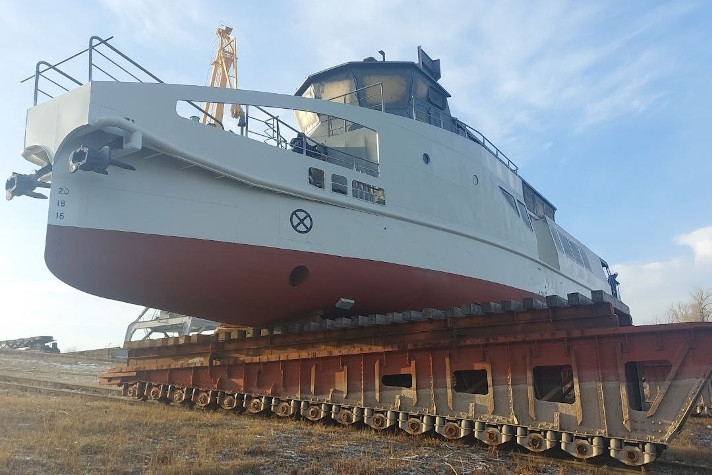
(437,98)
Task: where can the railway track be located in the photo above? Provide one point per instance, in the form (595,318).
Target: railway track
(27,384)
(660,467)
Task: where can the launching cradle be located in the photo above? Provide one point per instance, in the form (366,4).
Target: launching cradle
(572,374)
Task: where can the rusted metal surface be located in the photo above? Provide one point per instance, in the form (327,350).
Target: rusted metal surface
(577,377)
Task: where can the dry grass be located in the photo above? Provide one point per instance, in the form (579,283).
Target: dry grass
(72,434)
(693,445)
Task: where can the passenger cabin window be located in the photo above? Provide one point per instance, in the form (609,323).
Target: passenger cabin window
(366,192)
(316,177)
(339,184)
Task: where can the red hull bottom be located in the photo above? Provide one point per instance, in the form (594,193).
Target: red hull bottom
(248,285)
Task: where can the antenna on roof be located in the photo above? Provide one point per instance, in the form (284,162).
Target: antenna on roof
(429,65)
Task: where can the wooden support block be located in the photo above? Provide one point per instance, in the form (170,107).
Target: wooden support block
(576,298)
(471,309)
(533,304)
(433,314)
(383,320)
(396,317)
(491,307)
(413,315)
(556,301)
(512,306)
(454,312)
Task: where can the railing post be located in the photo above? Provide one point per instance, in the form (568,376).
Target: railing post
(91,55)
(383,104)
(247,120)
(37,80)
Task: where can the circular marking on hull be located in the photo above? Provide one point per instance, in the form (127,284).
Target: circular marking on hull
(301,221)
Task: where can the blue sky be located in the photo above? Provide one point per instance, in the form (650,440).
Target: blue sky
(605,106)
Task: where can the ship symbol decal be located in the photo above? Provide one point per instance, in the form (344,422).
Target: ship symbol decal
(301,221)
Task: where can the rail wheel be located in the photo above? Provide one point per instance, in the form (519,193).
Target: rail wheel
(583,448)
(414,426)
(493,435)
(379,421)
(256,405)
(345,417)
(228,402)
(133,390)
(203,399)
(632,455)
(283,409)
(313,413)
(451,431)
(178,395)
(156,393)
(535,442)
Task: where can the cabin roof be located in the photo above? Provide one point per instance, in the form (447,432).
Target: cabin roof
(369,65)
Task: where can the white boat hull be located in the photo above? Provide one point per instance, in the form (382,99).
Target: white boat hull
(213,224)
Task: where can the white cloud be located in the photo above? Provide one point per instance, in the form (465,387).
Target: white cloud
(700,241)
(515,67)
(650,288)
(156,21)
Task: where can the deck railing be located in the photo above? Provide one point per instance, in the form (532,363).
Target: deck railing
(103,58)
(117,66)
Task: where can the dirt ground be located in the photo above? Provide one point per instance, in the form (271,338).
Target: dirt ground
(72,433)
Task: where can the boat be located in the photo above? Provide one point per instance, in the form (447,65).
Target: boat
(359,194)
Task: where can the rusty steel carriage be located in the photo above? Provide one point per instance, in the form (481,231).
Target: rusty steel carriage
(576,377)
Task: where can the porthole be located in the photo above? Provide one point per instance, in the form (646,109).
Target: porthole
(475,180)
(426,158)
(298,276)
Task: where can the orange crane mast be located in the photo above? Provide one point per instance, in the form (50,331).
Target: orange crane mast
(224,74)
